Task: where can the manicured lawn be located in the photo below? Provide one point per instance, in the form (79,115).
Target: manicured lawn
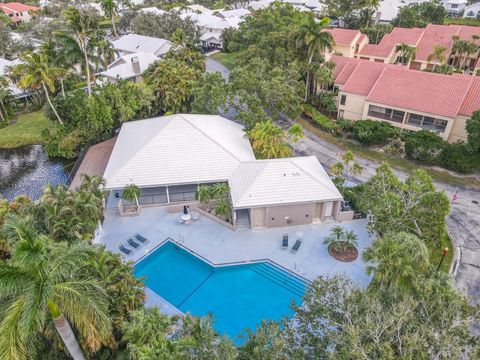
(436,252)
(396,162)
(462,21)
(227,59)
(26,131)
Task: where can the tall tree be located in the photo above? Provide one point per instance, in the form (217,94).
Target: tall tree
(406,53)
(397,260)
(413,206)
(35,72)
(110,8)
(269,141)
(311,35)
(7,102)
(83,28)
(41,283)
(473,131)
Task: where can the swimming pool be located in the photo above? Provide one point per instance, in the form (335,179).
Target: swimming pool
(238,296)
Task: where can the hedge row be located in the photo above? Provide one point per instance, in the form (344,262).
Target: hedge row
(423,146)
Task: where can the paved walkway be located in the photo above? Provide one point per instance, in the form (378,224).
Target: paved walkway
(463,222)
(220,245)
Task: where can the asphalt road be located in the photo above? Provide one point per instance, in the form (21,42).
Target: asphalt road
(463,221)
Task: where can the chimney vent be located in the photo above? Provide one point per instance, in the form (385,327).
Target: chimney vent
(136,65)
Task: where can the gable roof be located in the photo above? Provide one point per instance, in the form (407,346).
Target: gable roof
(177,149)
(344,36)
(281,181)
(123,69)
(11,7)
(396,85)
(139,43)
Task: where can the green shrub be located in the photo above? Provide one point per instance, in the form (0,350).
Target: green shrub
(324,122)
(459,157)
(425,146)
(308,110)
(372,132)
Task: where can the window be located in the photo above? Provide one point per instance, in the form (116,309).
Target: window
(341,114)
(385,113)
(454,6)
(343,99)
(427,122)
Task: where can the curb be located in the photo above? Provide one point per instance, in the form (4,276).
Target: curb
(457,255)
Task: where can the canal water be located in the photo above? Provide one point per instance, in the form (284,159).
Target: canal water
(27,169)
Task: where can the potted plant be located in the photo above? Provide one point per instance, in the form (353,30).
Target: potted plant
(130,194)
(342,244)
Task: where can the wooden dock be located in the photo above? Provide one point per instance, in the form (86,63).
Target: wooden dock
(94,162)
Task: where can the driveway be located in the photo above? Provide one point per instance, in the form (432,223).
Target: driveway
(463,221)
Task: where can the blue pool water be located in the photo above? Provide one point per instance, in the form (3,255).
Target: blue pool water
(239,296)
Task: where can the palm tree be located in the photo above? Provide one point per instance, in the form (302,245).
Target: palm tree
(406,53)
(295,133)
(223,209)
(131,193)
(7,101)
(396,259)
(311,35)
(104,53)
(438,55)
(323,76)
(204,195)
(40,283)
(220,190)
(269,141)
(110,8)
(35,72)
(83,29)
(334,240)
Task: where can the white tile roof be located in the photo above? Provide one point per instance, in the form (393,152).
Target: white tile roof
(5,64)
(281,181)
(122,67)
(191,149)
(234,13)
(139,43)
(177,149)
(152,10)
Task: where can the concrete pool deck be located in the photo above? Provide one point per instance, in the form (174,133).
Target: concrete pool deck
(220,245)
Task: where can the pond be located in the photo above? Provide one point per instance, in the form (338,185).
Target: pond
(27,169)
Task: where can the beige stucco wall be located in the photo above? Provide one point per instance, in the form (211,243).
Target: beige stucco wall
(258,217)
(299,214)
(354,106)
(458,130)
(345,50)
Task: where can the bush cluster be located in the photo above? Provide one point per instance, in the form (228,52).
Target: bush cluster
(429,148)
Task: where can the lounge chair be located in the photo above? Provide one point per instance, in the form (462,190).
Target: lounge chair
(140,238)
(132,243)
(285,241)
(296,246)
(195,215)
(124,249)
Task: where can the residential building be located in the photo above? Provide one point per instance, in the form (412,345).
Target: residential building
(133,43)
(169,157)
(389,9)
(455,7)
(424,40)
(152,10)
(472,11)
(18,12)
(408,99)
(347,42)
(192,9)
(129,67)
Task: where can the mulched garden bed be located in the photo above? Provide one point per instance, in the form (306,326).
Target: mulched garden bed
(350,254)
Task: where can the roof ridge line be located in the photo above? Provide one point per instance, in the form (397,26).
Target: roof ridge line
(148,142)
(253,180)
(208,136)
(472,80)
(376,82)
(308,173)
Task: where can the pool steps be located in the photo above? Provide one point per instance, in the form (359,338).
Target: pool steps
(283,279)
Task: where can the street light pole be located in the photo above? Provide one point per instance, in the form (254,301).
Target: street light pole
(445,252)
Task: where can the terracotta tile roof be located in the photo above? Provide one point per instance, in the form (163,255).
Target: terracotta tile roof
(390,41)
(420,91)
(364,77)
(395,85)
(361,38)
(436,35)
(471,103)
(11,7)
(343,36)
